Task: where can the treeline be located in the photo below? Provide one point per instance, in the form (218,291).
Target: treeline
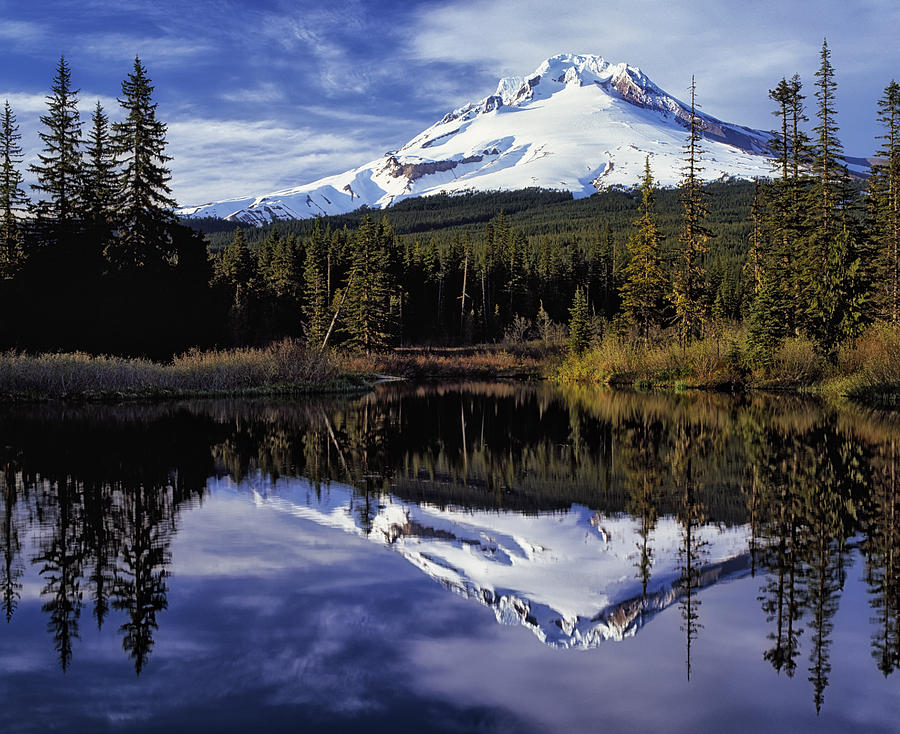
(519,268)
(822,261)
(812,253)
(97,260)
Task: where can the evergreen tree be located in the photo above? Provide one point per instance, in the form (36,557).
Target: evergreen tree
(100,179)
(834,281)
(830,173)
(644,281)
(59,171)
(235,271)
(688,283)
(579,324)
(368,322)
(884,188)
(766,325)
(12,199)
(145,205)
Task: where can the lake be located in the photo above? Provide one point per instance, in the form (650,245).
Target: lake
(490,557)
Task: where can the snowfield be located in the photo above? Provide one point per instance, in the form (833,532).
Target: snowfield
(577,123)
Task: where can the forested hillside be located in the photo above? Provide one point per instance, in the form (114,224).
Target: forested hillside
(515,250)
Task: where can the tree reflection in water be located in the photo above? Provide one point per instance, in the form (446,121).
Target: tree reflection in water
(92,496)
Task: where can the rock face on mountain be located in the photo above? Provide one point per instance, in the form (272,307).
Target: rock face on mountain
(577,123)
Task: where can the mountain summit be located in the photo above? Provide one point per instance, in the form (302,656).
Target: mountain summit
(577,123)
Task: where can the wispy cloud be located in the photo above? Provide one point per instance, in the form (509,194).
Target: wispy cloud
(264,93)
(211,157)
(22,33)
(160,51)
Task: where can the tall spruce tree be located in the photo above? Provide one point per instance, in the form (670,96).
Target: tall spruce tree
(100,178)
(13,201)
(236,273)
(644,283)
(367,321)
(145,205)
(834,281)
(884,188)
(830,172)
(688,282)
(58,171)
(579,323)
(315,286)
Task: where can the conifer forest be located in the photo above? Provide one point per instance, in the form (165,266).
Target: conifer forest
(93,258)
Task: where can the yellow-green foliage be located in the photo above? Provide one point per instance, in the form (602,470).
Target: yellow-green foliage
(869,366)
(706,362)
(284,364)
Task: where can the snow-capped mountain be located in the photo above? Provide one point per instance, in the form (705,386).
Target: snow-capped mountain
(570,577)
(577,123)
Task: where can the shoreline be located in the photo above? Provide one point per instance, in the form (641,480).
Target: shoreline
(288,369)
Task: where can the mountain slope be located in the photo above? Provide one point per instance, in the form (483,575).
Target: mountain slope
(570,577)
(578,123)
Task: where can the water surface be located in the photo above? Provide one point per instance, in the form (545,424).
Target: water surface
(474,557)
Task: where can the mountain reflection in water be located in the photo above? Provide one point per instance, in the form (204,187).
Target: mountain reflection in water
(576,513)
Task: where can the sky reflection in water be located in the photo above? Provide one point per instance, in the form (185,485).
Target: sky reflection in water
(272,616)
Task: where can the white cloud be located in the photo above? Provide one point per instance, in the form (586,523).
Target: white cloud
(218,159)
(159,51)
(261,94)
(21,32)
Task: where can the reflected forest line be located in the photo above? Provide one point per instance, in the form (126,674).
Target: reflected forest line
(93,495)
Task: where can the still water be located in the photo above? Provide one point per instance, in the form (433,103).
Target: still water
(483,557)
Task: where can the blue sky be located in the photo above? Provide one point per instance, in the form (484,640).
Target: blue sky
(272,93)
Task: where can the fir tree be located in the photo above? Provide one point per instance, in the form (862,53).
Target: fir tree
(579,324)
(236,272)
(315,286)
(644,281)
(145,201)
(834,280)
(368,322)
(766,325)
(687,287)
(100,179)
(884,187)
(59,172)
(12,199)
(829,171)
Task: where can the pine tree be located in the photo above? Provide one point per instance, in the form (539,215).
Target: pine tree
(687,286)
(59,172)
(579,324)
(12,199)
(100,179)
(644,283)
(884,188)
(145,200)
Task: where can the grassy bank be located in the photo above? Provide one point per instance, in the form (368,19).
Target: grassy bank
(529,360)
(868,368)
(282,368)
